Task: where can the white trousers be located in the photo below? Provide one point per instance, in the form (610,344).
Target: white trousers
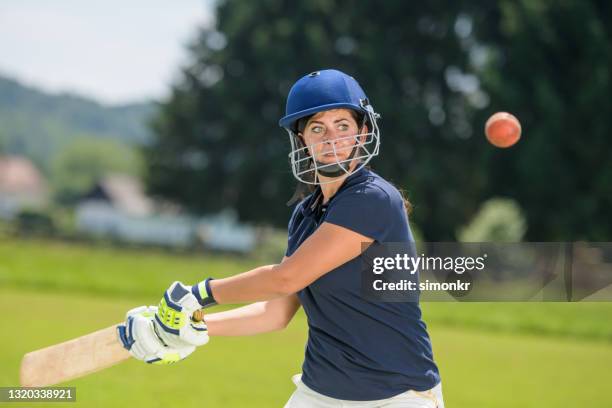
(304,397)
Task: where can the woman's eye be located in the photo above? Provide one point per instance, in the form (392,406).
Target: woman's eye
(316,129)
(343,127)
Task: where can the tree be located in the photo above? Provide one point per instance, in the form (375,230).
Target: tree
(497,220)
(549,63)
(217,140)
(435,71)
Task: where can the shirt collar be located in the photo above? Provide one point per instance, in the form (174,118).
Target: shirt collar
(313,200)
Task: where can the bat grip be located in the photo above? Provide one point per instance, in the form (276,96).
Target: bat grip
(198,316)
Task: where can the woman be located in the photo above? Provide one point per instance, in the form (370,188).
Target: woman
(359,352)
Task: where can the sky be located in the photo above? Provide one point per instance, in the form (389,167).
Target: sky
(114,51)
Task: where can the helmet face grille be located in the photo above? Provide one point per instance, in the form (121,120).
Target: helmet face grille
(361,148)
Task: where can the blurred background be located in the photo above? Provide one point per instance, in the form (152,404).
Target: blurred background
(139,145)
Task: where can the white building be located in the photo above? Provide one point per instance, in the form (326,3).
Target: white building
(117,208)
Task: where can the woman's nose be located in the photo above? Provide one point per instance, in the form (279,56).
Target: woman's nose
(330,134)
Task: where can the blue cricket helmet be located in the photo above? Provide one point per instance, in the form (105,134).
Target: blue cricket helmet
(320,91)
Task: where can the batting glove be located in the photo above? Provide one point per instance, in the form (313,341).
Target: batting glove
(140,339)
(174,314)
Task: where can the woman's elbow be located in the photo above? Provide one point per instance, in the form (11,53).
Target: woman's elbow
(286,282)
(283,322)
(279,326)
(286,288)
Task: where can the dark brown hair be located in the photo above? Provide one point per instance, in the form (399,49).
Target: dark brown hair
(407,204)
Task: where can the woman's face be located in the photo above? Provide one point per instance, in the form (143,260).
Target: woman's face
(330,135)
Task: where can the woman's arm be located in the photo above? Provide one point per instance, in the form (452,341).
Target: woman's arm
(256,318)
(326,249)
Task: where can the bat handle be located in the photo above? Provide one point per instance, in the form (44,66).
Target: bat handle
(198,316)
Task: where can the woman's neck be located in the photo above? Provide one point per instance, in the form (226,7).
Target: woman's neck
(331,186)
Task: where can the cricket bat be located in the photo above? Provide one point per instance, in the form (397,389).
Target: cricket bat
(75,358)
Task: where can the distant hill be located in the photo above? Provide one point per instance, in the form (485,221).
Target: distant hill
(38,124)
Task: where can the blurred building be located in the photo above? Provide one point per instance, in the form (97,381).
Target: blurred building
(223,232)
(22,186)
(117,208)
(122,193)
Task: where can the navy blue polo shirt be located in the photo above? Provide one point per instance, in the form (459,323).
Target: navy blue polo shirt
(358,349)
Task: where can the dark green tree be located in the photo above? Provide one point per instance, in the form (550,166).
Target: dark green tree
(549,63)
(217,140)
(435,71)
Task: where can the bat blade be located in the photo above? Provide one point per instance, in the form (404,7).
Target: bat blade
(72,359)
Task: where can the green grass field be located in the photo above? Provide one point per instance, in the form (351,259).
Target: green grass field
(490,354)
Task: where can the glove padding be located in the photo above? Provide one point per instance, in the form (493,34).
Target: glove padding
(140,339)
(173,318)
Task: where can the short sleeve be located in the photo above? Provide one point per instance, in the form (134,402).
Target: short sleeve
(363,209)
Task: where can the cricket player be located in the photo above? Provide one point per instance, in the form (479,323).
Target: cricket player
(359,353)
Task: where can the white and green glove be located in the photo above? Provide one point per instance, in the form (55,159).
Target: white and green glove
(139,337)
(174,316)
